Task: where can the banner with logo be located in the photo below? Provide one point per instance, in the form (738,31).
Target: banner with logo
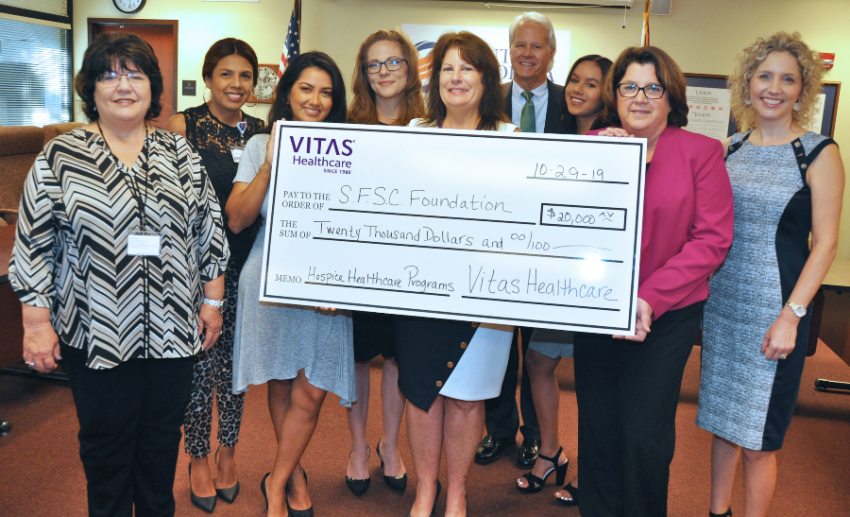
(506,228)
(424,37)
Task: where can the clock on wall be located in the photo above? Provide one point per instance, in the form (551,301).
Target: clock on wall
(129,6)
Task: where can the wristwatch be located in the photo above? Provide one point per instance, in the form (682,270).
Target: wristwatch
(797,309)
(219,304)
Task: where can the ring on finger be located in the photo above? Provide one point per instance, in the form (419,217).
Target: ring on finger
(783,356)
(29,363)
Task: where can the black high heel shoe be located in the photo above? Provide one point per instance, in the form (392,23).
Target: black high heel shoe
(359,486)
(227,494)
(572,500)
(292,511)
(206,503)
(397,483)
(727,513)
(436,499)
(535,484)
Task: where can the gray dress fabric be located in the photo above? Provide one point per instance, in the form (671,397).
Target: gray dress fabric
(275,341)
(745,398)
(554,344)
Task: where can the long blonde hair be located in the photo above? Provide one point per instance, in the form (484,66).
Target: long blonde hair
(749,60)
(363,109)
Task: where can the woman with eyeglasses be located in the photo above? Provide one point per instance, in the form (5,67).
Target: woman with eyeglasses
(627,387)
(219,130)
(119,262)
(448,368)
(387,91)
(300,353)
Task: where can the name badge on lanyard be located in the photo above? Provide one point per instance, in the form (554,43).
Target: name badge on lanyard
(236,151)
(144,243)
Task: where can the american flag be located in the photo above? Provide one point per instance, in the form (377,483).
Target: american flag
(292,43)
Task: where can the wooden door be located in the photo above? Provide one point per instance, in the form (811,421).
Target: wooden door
(162,36)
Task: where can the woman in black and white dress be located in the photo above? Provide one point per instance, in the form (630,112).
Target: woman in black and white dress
(448,368)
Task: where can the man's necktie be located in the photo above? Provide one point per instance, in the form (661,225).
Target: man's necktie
(526,121)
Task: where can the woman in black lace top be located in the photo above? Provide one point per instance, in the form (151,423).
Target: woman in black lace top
(218,129)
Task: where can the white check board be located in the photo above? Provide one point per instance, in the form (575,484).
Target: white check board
(525,229)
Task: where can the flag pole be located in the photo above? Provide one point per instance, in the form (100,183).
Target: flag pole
(645,32)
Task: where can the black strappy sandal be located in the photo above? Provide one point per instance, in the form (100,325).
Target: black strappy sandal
(535,484)
(573,499)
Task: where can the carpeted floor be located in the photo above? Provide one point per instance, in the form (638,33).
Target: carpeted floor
(41,475)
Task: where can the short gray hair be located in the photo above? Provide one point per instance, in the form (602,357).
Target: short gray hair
(533,16)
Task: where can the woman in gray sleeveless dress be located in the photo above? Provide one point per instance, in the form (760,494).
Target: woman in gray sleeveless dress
(300,352)
(787,183)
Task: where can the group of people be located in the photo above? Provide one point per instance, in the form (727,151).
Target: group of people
(138,267)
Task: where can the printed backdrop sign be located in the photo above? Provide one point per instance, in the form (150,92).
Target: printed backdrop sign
(504,228)
(424,37)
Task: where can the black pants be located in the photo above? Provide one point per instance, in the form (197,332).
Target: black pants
(501,415)
(627,396)
(130,419)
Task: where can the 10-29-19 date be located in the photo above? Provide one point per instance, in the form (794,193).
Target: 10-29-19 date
(559,171)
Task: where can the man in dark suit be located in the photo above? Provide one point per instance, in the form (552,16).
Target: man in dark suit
(532,43)
(535,104)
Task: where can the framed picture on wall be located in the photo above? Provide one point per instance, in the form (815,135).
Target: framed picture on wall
(266,83)
(709,110)
(823,119)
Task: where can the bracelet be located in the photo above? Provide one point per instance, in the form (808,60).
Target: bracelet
(218,304)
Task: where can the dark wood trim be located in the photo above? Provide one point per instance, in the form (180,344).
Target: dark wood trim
(134,22)
(38,15)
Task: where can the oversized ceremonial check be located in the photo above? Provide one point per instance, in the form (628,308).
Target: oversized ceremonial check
(536,230)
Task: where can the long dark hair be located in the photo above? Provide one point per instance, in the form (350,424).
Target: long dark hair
(280,107)
(229,47)
(100,57)
(476,52)
(363,109)
(604,65)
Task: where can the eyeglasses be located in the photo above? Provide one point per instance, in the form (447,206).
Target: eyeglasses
(112,78)
(652,91)
(392,64)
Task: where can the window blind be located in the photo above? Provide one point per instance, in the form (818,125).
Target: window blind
(35,73)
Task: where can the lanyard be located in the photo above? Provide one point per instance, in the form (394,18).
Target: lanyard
(139,194)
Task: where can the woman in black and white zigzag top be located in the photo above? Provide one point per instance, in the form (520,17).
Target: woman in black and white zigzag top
(119,261)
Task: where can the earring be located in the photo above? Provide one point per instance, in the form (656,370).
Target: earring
(747,102)
(204,94)
(94,108)
(797,106)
